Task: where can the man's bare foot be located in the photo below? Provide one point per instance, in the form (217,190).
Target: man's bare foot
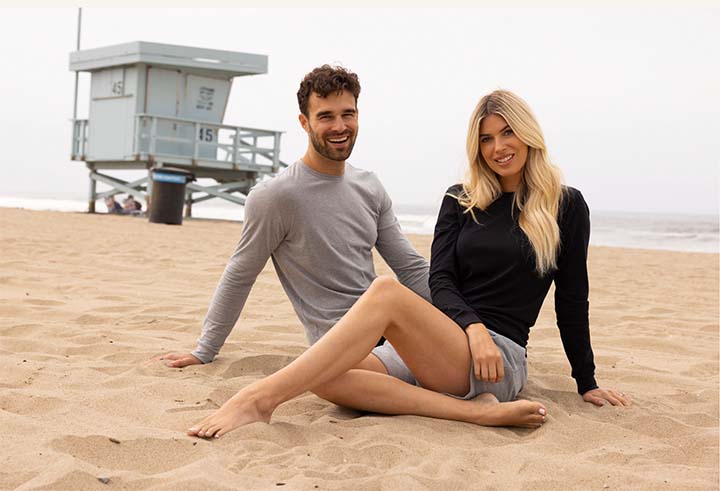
(241,409)
(527,414)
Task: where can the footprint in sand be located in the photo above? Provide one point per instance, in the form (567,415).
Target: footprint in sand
(88,319)
(83,480)
(22,330)
(260,364)
(25,404)
(112,298)
(43,302)
(116,309)
(207,405)
(132,455)
(272,328)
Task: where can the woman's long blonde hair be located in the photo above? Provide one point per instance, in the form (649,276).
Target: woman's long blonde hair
(540,191)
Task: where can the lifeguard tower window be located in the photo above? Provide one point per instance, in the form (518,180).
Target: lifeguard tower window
(156,105)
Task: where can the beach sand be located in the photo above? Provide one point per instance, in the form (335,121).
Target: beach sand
(87,300)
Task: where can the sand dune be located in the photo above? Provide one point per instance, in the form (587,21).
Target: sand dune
(88,299)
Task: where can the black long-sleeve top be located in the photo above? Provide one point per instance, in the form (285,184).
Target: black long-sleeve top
(486,272)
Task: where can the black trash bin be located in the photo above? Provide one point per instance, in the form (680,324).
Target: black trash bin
(168,195)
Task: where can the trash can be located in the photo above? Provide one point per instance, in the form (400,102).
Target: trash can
(168,195)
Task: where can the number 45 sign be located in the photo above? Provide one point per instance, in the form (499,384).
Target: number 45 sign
(206,134)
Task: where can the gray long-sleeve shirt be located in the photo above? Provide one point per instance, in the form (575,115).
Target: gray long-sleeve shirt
(319,230)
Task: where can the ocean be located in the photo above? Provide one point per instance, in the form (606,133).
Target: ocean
(690,233)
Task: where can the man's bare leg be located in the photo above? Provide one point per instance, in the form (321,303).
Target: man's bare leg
(432,346)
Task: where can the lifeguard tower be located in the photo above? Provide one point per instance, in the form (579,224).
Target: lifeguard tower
(161,105)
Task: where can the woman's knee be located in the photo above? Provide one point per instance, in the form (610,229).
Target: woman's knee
(330,391)
(385,287)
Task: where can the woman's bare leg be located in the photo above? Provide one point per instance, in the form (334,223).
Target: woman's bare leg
(380,393)
(432,346)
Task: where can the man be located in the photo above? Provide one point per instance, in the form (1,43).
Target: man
(318,221)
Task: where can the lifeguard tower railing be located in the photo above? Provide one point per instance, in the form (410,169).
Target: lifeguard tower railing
(234,156)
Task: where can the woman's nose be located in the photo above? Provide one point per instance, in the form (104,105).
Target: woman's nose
(499,148)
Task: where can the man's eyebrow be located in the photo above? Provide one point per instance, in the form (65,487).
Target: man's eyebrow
(507,127)
(329,113)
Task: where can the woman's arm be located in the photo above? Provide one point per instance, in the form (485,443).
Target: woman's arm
(571,289)
(446,294)
(444,282)
(571,299)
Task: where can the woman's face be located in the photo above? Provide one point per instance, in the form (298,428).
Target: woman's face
(504,153)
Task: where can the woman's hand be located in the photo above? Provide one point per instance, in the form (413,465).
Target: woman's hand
(600,396)
(487,359)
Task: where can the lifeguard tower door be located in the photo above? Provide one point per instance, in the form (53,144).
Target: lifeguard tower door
(179,95)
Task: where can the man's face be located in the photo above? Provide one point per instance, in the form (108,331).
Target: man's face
(332,124)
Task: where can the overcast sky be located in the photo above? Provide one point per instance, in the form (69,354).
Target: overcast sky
(628,98)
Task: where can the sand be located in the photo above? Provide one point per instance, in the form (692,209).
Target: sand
(86,300)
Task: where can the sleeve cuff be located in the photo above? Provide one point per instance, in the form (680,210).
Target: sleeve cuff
(203,354)
(586,383)
(466,318)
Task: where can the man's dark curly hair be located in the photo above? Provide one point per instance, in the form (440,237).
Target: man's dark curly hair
(325,80)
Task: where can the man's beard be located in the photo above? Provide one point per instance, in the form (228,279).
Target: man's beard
(331,153)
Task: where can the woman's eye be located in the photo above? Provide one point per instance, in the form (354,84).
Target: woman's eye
(484,139)
(508,132)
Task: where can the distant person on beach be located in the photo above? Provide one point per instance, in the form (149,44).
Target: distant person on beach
(502,237)
(131,206)
(113,206)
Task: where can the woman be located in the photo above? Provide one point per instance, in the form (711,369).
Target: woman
(501,239)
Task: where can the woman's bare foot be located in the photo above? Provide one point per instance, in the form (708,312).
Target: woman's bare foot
(527,414)
(243,408)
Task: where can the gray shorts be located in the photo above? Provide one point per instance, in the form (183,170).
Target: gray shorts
(394,365)
(516,372)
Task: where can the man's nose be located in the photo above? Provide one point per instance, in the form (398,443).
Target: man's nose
(338,124)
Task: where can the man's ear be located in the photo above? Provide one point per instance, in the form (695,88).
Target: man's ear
(304,122)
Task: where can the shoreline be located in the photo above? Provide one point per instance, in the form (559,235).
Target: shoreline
(625,237)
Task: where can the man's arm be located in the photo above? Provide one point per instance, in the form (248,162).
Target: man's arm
(263,231)
(409,266)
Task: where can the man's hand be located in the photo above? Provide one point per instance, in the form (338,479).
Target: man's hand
(178,360)
(487,359)
(600,396)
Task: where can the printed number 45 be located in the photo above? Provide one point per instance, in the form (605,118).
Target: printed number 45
(206,134)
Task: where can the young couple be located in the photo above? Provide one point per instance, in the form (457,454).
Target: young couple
(456,333)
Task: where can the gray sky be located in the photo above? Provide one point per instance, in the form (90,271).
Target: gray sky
(627,97)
